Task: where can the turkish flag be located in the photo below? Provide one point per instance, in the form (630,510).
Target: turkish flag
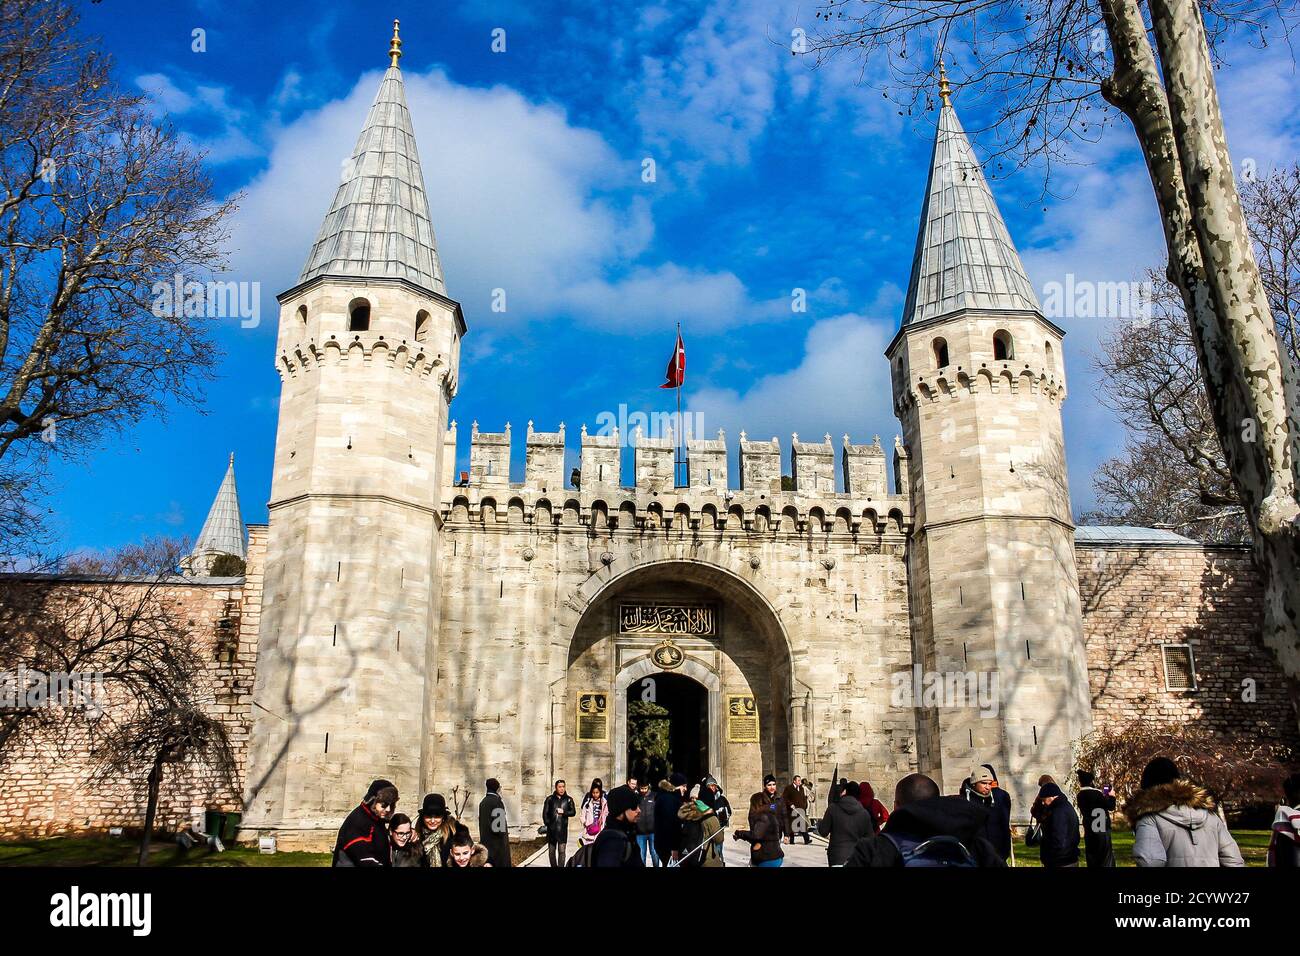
(676,366)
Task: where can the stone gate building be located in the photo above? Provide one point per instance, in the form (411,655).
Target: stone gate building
(938,612)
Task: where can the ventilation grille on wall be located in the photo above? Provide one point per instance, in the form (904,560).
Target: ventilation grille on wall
(1180,669)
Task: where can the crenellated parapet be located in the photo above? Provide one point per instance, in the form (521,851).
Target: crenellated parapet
(954,384)
(597,501)
(358,349)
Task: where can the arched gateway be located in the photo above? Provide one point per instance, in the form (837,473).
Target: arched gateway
(680,665)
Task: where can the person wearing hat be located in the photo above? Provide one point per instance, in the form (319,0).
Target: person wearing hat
(1059,846)
(668,828)
(701,834)
(435,827)
(616,845)
(555,818)
(363,837)
(981,790)
(1176,823)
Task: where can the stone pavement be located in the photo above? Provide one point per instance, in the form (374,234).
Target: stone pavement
(736,854)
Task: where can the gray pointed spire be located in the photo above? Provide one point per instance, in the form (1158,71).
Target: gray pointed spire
(378,224)
(964,258)
(223,532)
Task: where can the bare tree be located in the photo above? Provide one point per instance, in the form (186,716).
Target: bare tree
(98,203)
(1046,65)
(1173,472)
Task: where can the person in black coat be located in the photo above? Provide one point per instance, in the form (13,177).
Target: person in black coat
(1095,808)
(845,822)
(493,827)
(981,788)
(556,811)
(668,829)
(363,837)
(921,814)
(616,846)
(1060,839)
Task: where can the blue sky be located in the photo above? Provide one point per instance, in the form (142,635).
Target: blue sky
(770,176)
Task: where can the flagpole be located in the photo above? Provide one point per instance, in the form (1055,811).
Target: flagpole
(681,380)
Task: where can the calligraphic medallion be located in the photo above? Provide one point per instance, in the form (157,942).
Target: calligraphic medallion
(667,655)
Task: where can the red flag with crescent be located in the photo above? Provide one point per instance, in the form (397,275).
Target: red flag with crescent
(676,366)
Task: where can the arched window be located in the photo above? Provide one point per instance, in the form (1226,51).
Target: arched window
(422,321)
(1003,348)
(359,316)
(1051,358)
(940,353)
(302,313)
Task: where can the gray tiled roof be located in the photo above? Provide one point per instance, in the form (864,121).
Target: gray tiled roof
(378,224)
(223,532)
(964,257)
(1128,534)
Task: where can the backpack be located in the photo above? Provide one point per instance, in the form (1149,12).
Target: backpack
(936,851)
(586,851)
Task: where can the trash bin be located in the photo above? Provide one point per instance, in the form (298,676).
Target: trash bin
(221,823)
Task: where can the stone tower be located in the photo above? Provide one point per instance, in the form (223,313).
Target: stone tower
(978,381)
(367,353)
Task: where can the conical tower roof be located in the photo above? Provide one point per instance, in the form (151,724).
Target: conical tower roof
(378,225)
(223,532)
(964,258)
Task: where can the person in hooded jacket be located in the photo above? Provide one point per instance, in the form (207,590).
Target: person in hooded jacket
(845,822)
(867,797)
(1284,844)
(1175,822)
(701,834)
(668,829)
(1059,846)
(981,788)
(922,819)
(1095,807)
(363,837)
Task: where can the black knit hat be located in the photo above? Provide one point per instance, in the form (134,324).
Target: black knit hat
(622,799)
(769,778)
(376,786)
(1050,790)
(678,779)
(1161,770)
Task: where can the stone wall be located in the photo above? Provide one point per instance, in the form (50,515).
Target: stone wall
(1136,598)
(45,789)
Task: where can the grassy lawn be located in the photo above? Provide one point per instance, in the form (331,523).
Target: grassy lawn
(1253,843)
(107,851)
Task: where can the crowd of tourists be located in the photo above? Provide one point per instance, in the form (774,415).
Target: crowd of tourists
(1176,823)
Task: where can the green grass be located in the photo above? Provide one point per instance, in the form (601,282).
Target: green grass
(108,851)
(1253,843)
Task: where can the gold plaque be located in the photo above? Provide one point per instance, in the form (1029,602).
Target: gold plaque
(742,719)
(593,716)
(667,655)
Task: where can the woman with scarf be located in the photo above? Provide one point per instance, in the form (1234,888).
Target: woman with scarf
(595,810)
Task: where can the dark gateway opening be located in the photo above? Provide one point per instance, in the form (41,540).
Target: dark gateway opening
(667,728)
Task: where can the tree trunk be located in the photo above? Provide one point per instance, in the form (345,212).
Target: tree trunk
(1251,386)
(151,808)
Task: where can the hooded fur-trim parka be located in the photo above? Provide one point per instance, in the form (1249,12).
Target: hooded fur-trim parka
(1175,824)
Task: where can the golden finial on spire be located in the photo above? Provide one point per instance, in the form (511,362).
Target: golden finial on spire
(945,91)
(395,48)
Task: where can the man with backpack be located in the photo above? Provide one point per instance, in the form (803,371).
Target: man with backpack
(701,834)
(616,845)
(926,829)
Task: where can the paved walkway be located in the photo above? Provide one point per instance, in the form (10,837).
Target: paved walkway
(736,854)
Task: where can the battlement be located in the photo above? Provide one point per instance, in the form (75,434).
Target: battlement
(596,497)
(956,383)
(362,349)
